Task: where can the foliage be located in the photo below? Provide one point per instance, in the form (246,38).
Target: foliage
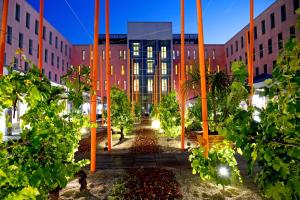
(121,116)
(43,159)
(194,116)
(220,155)
(137,112)
(169,115)
(272,142)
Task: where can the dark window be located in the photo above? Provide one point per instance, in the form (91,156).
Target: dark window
(272,17)
(36,27)
(27,20)
(236,46)
(49,76)
(70,52)
(55,77)
(274,63)
(292,32)
(61,46)
(240,58)
(246,58)
(57,62)
(9,35)
(227,54)
(16,62)
(37,55)
(283,13)
(52,59)
(261,51)
(265,69)
(56,42)
(30,46)
(21,37)
(296,5)
(255,33)
(270,46)
(256,71)
(231,49)
(43,71)
(62,64)
(50,38)
(44,33)
(263,27)
(254,54)
(242,42)
(26,66)
(18,12)
(46,55)
(66,50)
(280,42)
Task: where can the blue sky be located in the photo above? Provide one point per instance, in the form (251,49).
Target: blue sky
(222,18)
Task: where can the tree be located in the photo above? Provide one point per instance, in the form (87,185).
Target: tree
(169,116)
(121,116)
(42,161)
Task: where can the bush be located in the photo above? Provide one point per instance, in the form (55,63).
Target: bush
(42,161)
(219,156)
(169,115)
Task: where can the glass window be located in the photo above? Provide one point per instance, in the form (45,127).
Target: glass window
(149,67)
(149,52)
(44,33)
(292,32)
(174,55)
(272,17)
(122,70)
(136,85)
(255,33)
(163,52)
(30,46)
(265,69)
(18,12)
(120,54)
(150,85)
(111,70)
(49,76)
(163,68)
(176,69)
(46,56)
(263,27)
(52,59)
(83,55)
(125,85)
(194,54)
(57,62)
(164,85)
(296,5)
(236,45)
(21,40)
(136,68)
(270,46)
(50,38)
(61,46)
(56,42)
(261,51)
(283,13)
(189,56)
(214,54)
(27,20)
(9,35)
(124,55)
(36,27)
(177,53)
(280,41)
(242,42)
(26,66)
(136,49)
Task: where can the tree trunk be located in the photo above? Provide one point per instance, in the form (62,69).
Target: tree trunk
(122,134)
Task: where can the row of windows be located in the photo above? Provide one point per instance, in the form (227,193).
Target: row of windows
(27,24)
(263,28)
(150,85)
(136,68)
(136,51)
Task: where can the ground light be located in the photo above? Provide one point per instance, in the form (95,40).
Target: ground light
(223,172)
(155,124)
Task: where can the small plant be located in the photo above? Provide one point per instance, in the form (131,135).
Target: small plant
(220,166)
(169,116)
(137,112)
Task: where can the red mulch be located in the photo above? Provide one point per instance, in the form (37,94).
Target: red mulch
(151,183)
(145,142)
(85,144)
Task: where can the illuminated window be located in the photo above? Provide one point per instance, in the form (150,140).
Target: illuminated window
(122,70)
(150,85)
(98,85)
(92,55)
(174,54)
(163,68)
(124,54)
(176,69)
(194,54)
(189,56)
(105,85)
(103,54)
(191,68)
(111,70)
(136,68)
(109,54)
(149,52)
(164,85)
(125,85)
(118,82)
(214,54)
(83,55)
(121,54)
(177,53)
(163,52)
(150,67)
(136,49)
(186,69)
(136,85)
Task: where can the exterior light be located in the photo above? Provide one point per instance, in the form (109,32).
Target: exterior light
(223,172)
(156,124)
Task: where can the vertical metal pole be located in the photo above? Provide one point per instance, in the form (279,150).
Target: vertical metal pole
(203,77)
(3,34)
(94,89)
(107,49)
(248,54)
(132,87)
(182,59)
(251,63)
(159,76)
(41,37)
(128,74)
(101,89)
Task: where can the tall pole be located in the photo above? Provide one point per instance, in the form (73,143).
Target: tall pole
(101,89)
(132,87)
(94,76)
(160,76)
(251,64)
(128,74)
(182,61)
(41,37)
(107,48)
(203,78)
(247,50)
(3,34)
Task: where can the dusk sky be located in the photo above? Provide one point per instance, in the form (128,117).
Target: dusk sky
(222,18)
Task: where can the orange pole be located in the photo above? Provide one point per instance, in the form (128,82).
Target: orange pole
(128,74)
(3,35)
(94,75)
(101,89)
(41,37)
(132,88)
(209,66)
(182,60)
(251,64)
(160,77)
(203,78)
(137,90)
(107,48)
(248,56)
